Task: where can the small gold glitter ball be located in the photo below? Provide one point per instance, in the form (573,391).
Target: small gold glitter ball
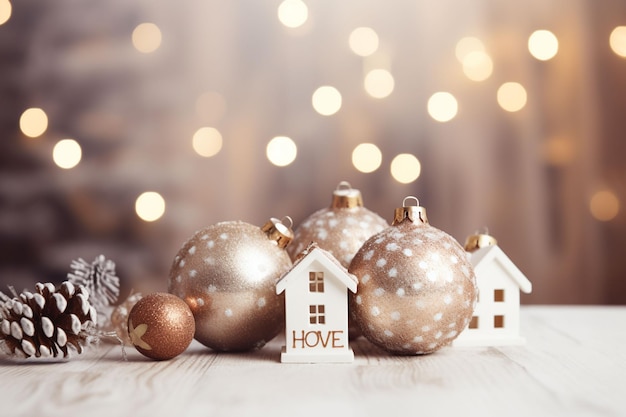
(417,288)
(227,274)
(161,326)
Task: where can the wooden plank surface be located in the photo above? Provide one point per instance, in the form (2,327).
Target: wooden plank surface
(573,364)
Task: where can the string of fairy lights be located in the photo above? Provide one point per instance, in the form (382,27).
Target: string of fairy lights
(442,106)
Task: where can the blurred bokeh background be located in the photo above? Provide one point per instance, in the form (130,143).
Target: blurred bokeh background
(501,115)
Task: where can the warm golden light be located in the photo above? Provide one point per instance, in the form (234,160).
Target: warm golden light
(477,66)
(33,122)
(442,106)
(604,205)
(67,153)
(363,41)
(5,11)
(512,96)
(293,13)
(466,46)
(379,83)
(281,151)
(326,100)
(617,41)
(366,157)
(559,150)
(207,141)
(147,37)
(543,45)
(405,168)
(150,206)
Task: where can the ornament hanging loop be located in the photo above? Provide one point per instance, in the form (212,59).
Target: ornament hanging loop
(279,231)
(414,213)
(345,196)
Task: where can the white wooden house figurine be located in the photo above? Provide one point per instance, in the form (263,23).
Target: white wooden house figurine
(316,308)
(497,314)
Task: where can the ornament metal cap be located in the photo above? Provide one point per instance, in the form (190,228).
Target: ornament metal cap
(479,240)
(415,213)
(278,231)
(345,196)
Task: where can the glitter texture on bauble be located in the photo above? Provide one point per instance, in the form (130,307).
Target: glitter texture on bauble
(227,274)
(417,288)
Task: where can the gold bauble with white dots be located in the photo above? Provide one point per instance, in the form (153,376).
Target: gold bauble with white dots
(417,288)
(227,274)
(340,229)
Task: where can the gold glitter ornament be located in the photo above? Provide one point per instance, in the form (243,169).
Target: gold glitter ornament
(340,229)
(160,326)
(417,288)
(227,274)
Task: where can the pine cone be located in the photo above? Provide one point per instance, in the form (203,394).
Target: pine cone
(47,323)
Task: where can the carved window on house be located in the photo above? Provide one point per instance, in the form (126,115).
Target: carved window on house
(498,296)
(473,324)
(316,282)
(317,314)
(498,322)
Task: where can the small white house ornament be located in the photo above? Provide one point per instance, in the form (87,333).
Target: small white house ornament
(316,308)
(497,314)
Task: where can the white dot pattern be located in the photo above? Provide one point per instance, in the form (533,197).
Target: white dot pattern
(227,274)
(339,231)
(415,283)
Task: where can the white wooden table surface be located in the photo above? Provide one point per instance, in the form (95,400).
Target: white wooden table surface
(573,364)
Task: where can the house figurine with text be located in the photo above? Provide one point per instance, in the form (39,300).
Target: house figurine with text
(496,318)
(316,308)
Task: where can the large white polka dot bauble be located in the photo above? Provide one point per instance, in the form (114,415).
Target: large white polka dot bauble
(340,229)
(417,289)
(227,274)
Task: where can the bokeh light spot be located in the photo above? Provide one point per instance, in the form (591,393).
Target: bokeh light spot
(543,45)
(363,41)
(512,96)
(67,153)
(405,168)
(5,11)
(379,83)
(147,37)
(604,205)
(366,157)
(326,100)
(293,13)
(442,106)
(33,122)
(150,206)
(466,46)
(281,151)
(207,141)
(477,66)
(617,41)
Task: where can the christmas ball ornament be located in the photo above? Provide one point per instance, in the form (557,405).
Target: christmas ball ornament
(227,274)
(119,317)
(340,229)
(160,326)
(417,288)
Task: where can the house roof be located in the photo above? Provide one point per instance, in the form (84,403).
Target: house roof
(311,254)
(494,253)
